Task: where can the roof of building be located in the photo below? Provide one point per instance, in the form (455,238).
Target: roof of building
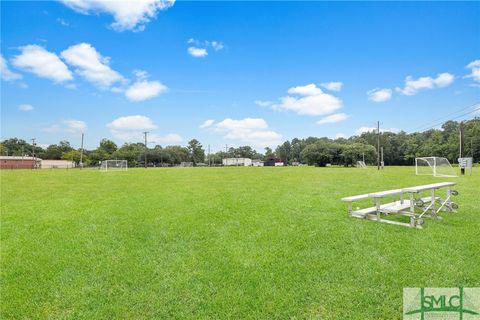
(18,158)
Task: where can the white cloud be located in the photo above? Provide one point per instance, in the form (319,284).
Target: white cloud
(128,14)
(198,48)
(307,90)
(42,63)
(333,118)
(140,74)
(474,67)
(333,86)
(361,130)
(379,95)
(197,52)
(253,131)
(90,64)
(7,74)
(144,90)
(129,128)
(165,139)
(262,103)
(74,126)
(25,107)
(68,126)
(207,124)
(136,122)
(63,22)
(413,86)
(310,101)
(216,45)
(340,135)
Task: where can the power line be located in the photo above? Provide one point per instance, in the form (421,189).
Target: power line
(475,106)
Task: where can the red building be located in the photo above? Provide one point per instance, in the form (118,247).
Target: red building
(15,162)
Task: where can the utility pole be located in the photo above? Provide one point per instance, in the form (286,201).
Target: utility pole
(33,153)
(381,161)
(462,170)
(145,134)
(81,154)
(209,155)
(378,145)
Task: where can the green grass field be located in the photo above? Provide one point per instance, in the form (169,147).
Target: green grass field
(238,243)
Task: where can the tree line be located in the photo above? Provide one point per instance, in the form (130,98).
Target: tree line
(398,149)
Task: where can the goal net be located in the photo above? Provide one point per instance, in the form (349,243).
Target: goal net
(361,164)
(110,165)
(434,166)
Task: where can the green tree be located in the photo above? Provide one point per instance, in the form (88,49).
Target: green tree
(195,151)
(108,146)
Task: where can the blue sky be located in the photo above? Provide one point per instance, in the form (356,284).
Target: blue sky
(233,73)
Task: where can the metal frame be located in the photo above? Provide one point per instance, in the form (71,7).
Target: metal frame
(434,167)
(123,168)
(416,207)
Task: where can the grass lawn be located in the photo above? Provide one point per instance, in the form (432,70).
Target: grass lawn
(239,243)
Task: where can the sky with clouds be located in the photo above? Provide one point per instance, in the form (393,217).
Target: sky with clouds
(236,73)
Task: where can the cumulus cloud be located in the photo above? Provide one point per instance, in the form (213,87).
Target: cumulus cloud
(309,100)
(7,74)
(74,126)
(413,86)
(340,135)
(136,122)
(332,86)
(262,103)
(197,52)
(25,107)
(68,126)
(253,131)
(130,129)
(216,45)
(361,130)
(379,95)
(42,63)
(127,14)
(333,118)
(91,65)
(474,67)
(171,138)
(143,90)
(207,124)
(198,49)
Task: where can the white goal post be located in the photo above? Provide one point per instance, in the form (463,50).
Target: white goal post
(117,165)
(361,164)
(434,166)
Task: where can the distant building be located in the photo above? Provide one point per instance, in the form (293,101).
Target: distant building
(57,164)
(274,162)
(241,162)
(15,162)
(257,163)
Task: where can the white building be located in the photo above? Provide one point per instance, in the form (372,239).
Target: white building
(241,162)
(57,164)
(257,163)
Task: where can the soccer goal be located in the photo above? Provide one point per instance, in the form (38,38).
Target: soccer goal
(117,165)
(434,166)
(361,164)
